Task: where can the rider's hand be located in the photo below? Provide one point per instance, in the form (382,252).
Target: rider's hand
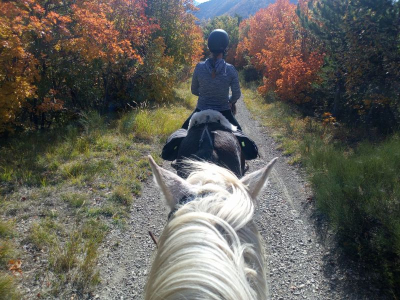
(233,108)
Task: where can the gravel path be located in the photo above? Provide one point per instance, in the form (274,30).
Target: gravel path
(302,263)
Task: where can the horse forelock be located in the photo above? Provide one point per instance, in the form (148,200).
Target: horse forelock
(211,248)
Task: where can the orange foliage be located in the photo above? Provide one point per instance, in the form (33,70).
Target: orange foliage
(109,30)
(17,65)
(194,53)
(57,55)
(277,45)
(34,33)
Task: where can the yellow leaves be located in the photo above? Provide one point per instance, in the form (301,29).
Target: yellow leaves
(43,47)
(57,47)
(328,118)
(17,66)
(367,102)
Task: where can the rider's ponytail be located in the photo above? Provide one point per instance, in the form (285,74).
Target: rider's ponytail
(213,62)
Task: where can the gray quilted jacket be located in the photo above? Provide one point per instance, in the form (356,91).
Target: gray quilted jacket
(214,92)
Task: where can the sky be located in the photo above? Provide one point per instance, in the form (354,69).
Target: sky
(201,1)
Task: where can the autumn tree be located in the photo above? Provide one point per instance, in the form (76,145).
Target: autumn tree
(182,37)
(173,51)
(275,44)
(61,57)
(17,65)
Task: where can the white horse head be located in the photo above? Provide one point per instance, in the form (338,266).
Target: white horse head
(210,248)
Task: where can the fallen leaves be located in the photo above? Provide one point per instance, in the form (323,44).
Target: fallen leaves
(14,265)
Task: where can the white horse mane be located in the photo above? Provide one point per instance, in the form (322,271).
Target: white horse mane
(211,248)
(210,116)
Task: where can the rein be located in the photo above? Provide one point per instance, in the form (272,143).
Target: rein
(183,201)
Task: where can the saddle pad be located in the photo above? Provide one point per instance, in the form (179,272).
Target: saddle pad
(171,147)
(209,116)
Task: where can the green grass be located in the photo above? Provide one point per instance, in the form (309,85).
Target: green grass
(285,125)
(357,185)
(122,195)
(76,200)
(63,168)
(6,229)
(149,124)
(71,185)
(159,122)
(8,288)
(360,192)
(44,233)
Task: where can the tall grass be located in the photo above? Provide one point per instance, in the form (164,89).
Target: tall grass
(150,124)
(285,125)
(159,122)
(357,186)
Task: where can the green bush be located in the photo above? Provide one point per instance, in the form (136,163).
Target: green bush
(360,192)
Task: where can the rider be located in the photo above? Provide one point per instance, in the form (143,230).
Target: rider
(213,78)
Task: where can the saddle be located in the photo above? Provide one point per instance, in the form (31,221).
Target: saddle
(171,147)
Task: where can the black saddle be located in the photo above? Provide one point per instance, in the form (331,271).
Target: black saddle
(171,147)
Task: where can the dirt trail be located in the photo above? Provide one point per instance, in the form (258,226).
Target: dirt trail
(301,261)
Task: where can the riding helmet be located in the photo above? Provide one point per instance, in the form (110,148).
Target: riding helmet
(218,41)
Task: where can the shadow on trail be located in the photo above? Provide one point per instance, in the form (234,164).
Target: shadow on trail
(342,271)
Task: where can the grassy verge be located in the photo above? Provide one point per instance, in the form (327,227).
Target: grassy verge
(357,186)
(8,289)
(61,191)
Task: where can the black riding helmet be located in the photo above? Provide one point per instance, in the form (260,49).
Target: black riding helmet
(218,41)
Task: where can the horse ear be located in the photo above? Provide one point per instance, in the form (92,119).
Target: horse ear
(172,186)
(255,181)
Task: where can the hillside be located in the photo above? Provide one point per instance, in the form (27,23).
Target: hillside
(244,8)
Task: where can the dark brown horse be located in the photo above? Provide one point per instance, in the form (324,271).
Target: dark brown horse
(214,143)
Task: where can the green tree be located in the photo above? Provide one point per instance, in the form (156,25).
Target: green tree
(231,26)
(361,77)
(373,62)
(182,37)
